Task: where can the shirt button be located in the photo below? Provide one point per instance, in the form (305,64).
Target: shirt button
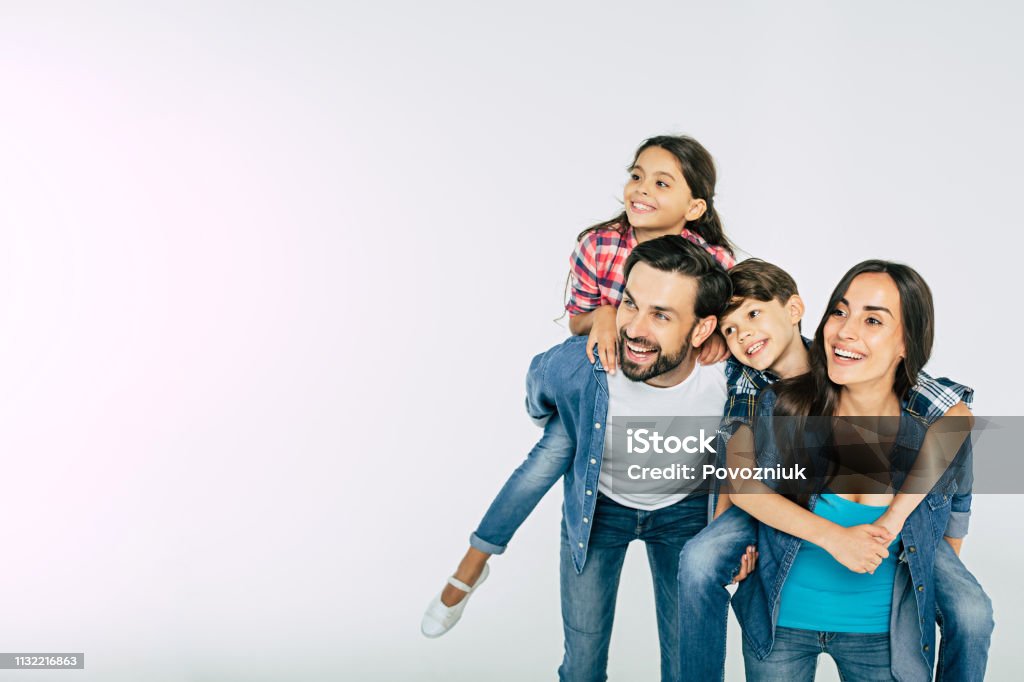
(912,549)
(920,588)
(589,492)
(586,520)
(597,425)
(581,544)
(926,647)
(593,461)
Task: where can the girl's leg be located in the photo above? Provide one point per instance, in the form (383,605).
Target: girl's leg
(547,462)
(469,570)
(794,657)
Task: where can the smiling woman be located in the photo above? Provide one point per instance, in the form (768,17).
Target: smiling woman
(877,335)
(874,618)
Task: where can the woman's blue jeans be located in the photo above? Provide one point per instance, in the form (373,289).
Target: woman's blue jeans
(709,562)
(860,657)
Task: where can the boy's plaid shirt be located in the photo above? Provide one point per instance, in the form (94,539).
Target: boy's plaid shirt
(597,263)
(928,399)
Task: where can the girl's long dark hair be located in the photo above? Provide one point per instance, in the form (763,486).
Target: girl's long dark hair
(699,172)
(815,395)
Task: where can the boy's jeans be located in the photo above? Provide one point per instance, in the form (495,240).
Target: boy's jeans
(547,461)
(588,598)
(709,562)
(965,619)
(706,565)
(859,656)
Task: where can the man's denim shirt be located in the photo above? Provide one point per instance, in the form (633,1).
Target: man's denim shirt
(912,621)
(562,384)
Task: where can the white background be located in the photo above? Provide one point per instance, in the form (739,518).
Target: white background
(271,276)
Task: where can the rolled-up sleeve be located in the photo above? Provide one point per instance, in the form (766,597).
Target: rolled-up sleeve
(959,523)
(960,506)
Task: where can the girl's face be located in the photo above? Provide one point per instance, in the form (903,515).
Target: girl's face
(864,333)
(656,194)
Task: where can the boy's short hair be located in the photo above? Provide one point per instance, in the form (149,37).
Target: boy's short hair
(761,281)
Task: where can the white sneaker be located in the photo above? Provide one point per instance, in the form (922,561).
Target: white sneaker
(439,618)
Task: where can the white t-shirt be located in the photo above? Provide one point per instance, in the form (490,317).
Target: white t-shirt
(702,394)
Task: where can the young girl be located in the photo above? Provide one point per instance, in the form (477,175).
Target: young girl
(670,190)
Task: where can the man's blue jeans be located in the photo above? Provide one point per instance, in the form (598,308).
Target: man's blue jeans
(588,598)
(708,563)
(549,459)
(859,656)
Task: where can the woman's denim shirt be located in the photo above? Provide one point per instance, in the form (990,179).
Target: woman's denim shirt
(912,621)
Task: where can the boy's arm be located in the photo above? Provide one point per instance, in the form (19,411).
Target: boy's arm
(960,506)
(738,410)
(941,444)
(740,403)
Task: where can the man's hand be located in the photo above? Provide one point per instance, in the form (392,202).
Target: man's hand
(713,350)
(604,334)
(860,548)
(747,564)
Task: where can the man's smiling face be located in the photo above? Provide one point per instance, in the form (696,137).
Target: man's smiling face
(657,326)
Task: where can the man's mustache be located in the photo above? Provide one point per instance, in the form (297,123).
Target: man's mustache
(640,341)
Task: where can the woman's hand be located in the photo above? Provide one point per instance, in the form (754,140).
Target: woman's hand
(713,350)
(892,521)
(860,548)
(606,336)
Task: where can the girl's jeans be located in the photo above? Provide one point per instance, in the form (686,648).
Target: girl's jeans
(548,460)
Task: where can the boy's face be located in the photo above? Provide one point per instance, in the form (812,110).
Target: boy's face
(759,332)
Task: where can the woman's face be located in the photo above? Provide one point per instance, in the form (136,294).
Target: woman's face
(864,333)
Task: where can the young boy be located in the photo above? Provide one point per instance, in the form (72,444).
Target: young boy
(761,326)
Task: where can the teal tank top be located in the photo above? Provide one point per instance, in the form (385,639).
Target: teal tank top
(821,594)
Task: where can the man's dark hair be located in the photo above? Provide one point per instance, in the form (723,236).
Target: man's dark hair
(761,281)
(673,253)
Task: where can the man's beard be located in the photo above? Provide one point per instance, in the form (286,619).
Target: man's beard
(664,363)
